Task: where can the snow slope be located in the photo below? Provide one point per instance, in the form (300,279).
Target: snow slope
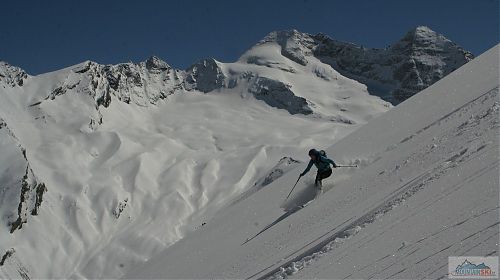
(426,189)
(104,166)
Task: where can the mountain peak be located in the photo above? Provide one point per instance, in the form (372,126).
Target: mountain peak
(422,39)
(294,45)
(423,36)
(280,36)
(205,75)
(5,65)
(12,75)
(155,62)
(422,29)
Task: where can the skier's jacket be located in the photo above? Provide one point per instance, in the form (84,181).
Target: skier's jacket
(321,162)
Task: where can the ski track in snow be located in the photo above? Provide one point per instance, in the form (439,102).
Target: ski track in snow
(467,132)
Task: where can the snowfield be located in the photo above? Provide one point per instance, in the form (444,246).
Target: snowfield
(426,189)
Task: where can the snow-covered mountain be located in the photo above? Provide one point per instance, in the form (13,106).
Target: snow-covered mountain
(426,188)
(104,166)
(419,59)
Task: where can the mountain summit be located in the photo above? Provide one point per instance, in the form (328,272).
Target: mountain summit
(416,61)
(419,59)
(11,75)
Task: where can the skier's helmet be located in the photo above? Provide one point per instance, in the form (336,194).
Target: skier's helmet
(313,152)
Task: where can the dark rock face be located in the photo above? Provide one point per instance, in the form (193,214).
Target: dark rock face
(419,59)
(279,95)
(7,255)
(155,64)
(22,192)
(294,45)
(30,199)
(119,208)
(426,58)
(205,76)
(142,83)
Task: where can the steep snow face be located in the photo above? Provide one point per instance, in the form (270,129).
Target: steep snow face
(419,59)
(426,188)
(282,71)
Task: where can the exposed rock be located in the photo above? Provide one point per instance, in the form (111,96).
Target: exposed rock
(82,68)
(7,255)
(279,95)
(155,64)
(119,208)
(11,75)
(294,45)
(39,191)
(419,59)
(143,83)
(278,170)
(426,58)
(205,76)
(22,194)
(30,198)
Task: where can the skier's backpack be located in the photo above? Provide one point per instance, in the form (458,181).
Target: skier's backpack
(322,153)
(322,157)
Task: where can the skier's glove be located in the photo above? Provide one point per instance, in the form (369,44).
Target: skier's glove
(334,165)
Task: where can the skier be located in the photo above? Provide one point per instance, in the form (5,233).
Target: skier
(319,159)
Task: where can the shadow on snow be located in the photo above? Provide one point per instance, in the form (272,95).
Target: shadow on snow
(290,206)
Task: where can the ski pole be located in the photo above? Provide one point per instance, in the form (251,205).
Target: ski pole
(292,189)
(347,166)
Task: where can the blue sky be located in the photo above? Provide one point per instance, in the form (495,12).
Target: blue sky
(42,36)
